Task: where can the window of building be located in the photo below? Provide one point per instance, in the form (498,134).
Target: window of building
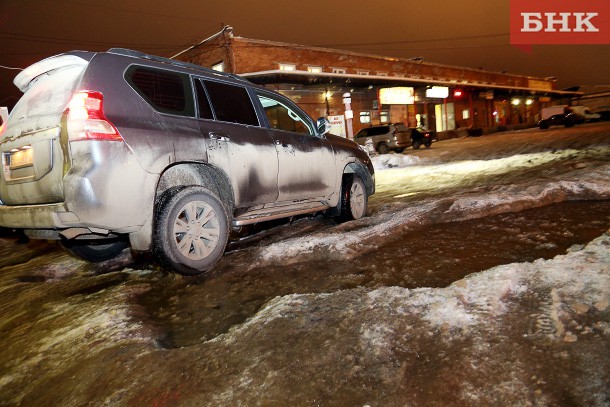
(466,114)
(166,92)
(382,74)
(231,103)
(282,117)
(359,72)
(220,67)
(340,71)
(384,116)
(314,69)
(365,117)
(288,67)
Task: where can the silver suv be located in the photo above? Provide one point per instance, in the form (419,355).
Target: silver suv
(386,137)
(118,148)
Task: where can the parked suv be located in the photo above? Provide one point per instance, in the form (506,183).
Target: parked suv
(118,148)
(395,136)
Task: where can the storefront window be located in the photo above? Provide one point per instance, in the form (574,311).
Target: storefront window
(288,67)
(365,117)
(384,116)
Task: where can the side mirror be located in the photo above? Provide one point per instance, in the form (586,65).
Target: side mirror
(323,126)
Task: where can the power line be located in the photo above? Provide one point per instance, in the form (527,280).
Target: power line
(66,41)
(438,49)
(472,37)
(139,11)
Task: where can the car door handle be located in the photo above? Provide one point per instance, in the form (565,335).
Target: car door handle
(219,137)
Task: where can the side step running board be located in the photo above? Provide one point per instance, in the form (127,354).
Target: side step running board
(286,211)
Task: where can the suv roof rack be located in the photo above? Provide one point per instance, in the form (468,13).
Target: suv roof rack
(139,54)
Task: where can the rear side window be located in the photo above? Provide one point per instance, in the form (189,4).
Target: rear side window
(231,103)
(167,92)
(376,131)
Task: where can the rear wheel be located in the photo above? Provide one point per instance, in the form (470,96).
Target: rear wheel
(382,148)
(428,143)
(191,230)
(95,251)
(354,200)
(416,144)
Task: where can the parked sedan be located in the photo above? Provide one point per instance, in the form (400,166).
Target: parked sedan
(568,120)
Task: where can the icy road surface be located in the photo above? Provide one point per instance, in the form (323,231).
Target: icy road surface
(480,277)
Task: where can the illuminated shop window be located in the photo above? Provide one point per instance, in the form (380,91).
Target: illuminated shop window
(288,67)
(365,117)
(220,67)
(466,114)
(384,116)
(314,69)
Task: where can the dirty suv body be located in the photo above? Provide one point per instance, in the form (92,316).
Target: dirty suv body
(118,148)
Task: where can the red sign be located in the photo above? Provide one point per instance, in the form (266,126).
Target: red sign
(559,22)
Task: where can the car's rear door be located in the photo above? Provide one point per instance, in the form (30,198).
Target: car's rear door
(236,143)
(33,148)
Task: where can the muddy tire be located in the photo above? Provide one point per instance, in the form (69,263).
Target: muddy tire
(95,251)
(416,144)
(428,144)
(354,200)
(191,230)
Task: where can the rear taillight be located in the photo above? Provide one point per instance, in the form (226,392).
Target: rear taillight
(86,119)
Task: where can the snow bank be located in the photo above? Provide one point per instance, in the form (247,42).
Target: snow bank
(592,185)
(568,284)
(385,161)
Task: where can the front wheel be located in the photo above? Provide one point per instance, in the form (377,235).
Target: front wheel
(354,200)
(95,251)
(191,231)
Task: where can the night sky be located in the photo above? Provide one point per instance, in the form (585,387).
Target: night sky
(472,33)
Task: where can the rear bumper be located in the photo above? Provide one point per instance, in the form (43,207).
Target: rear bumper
(47,216)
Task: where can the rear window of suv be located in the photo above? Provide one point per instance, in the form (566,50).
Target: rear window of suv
(167,92)
(376,131)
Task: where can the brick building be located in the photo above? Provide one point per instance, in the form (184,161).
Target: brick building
(382,89)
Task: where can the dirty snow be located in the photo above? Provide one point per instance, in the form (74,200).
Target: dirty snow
(582,184)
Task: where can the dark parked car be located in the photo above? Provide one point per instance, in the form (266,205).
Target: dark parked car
(565,119)
(395,136)
(118,148)
(419,137)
